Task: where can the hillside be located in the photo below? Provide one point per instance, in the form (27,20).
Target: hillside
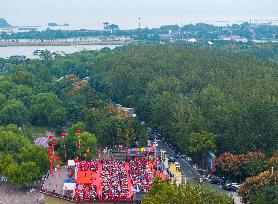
(4,23)
(183,90)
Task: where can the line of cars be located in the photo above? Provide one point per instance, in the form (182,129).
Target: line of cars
(221,181)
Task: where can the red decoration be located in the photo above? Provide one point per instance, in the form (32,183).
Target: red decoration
(78,132)
(128,152)
(50,137)
(63,134)
(53,143)
(58,158)
(49,148)
(50,154)
(76,160)
(51,160)
(98,151)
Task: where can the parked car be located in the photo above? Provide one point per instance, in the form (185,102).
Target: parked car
(172,159)
(189,160)
(231,187)
(202,171)
(217,180)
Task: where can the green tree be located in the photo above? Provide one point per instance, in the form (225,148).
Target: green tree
(29,172)
(14,112)
(43,104)
(88,142)
(13,172)
(23,94)
(2,100)
(189,193)
(57,118)
(11,142)
(37,154)
(199,143)
(5,159)
(266,195)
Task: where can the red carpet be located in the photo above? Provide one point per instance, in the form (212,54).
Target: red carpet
(97,180)
(129,179)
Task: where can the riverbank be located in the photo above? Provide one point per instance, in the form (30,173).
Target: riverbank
(13,194)
(60,43)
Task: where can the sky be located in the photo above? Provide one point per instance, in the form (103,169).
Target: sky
(125,13)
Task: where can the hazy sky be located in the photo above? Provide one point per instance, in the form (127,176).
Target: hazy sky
(92,13)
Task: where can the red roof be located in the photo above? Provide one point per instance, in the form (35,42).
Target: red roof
(84,177)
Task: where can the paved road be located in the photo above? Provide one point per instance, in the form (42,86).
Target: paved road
(186,169)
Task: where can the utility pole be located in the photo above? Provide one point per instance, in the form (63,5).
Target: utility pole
(139,22)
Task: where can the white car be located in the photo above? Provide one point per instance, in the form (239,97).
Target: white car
(177,164)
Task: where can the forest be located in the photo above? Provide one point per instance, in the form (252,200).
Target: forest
(51,93)
(198,97)
(183,90)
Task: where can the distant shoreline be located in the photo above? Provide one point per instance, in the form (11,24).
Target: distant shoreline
(63,43)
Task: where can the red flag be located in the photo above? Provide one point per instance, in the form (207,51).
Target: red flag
(98,151)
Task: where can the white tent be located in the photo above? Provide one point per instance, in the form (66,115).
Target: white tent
(69,186)
(71,163)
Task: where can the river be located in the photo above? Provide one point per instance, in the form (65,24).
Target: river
(27,51)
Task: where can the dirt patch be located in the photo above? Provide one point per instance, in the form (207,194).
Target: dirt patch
(12,194)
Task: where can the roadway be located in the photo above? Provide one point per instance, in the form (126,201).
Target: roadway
(189,172)
(186,169)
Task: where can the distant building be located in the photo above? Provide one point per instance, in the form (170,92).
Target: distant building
(192,40)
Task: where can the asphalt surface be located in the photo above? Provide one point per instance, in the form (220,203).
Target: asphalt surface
(189,172)
(186,169)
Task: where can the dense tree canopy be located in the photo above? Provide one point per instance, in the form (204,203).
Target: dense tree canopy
(182,90)
(163,192)
(200,98)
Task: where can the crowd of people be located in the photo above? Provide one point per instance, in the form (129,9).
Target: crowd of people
(83,192)
(119,179)
(141,174)
(85,165)
(115,180)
